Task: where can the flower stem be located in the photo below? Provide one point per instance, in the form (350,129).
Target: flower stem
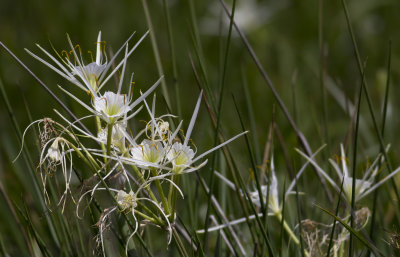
(290,231)
(175,179)
(146,217)
(140,176)
(145,208)
(109,139)
(161,192)
(179,242)
(98,125)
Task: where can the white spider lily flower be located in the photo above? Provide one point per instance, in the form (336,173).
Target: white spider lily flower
(111,106)
(88,77)
(273,197)
(117,137)
(126,201)
(90,73)
(271,191)
(147,153)
(114,107)
(363,186)
(181,156)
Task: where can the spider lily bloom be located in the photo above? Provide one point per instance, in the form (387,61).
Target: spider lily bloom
(126,201)
(89,77)
(112,107)
(148,153)
(271,191)
(363,186)
(181,156)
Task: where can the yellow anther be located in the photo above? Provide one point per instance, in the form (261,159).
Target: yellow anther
(66,54)
(91,55)
(142,149)
(155,146)
(79,48)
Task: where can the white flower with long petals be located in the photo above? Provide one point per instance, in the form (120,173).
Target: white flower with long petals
(181,156)
(88,77)
(111,106)
(271,191)
(148,153)
(363,186)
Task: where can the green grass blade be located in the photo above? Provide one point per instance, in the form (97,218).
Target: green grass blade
(155,51)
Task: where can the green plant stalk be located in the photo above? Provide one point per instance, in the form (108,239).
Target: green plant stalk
(80,155)
(144,207)
(341,248)
(109,139)
(161,192)
(143,181)
(173,199)
(173,58)
(287,228)
(171,190)
(147,217)
(98,126)
(156,52)
(178,240)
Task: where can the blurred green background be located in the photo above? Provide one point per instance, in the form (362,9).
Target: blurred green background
(284,34)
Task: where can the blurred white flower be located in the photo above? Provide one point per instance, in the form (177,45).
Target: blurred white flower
(249,15)
(270,190)
(363,186)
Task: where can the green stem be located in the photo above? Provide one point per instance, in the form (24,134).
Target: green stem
(109,139)
(147,217)
(98,126)
(148,189)
(144,207)
(179,242)
(171,189)
(173,199)
(290,231)
(287,228)
(161,192)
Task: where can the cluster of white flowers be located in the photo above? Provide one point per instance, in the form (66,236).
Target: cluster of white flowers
(146,160)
